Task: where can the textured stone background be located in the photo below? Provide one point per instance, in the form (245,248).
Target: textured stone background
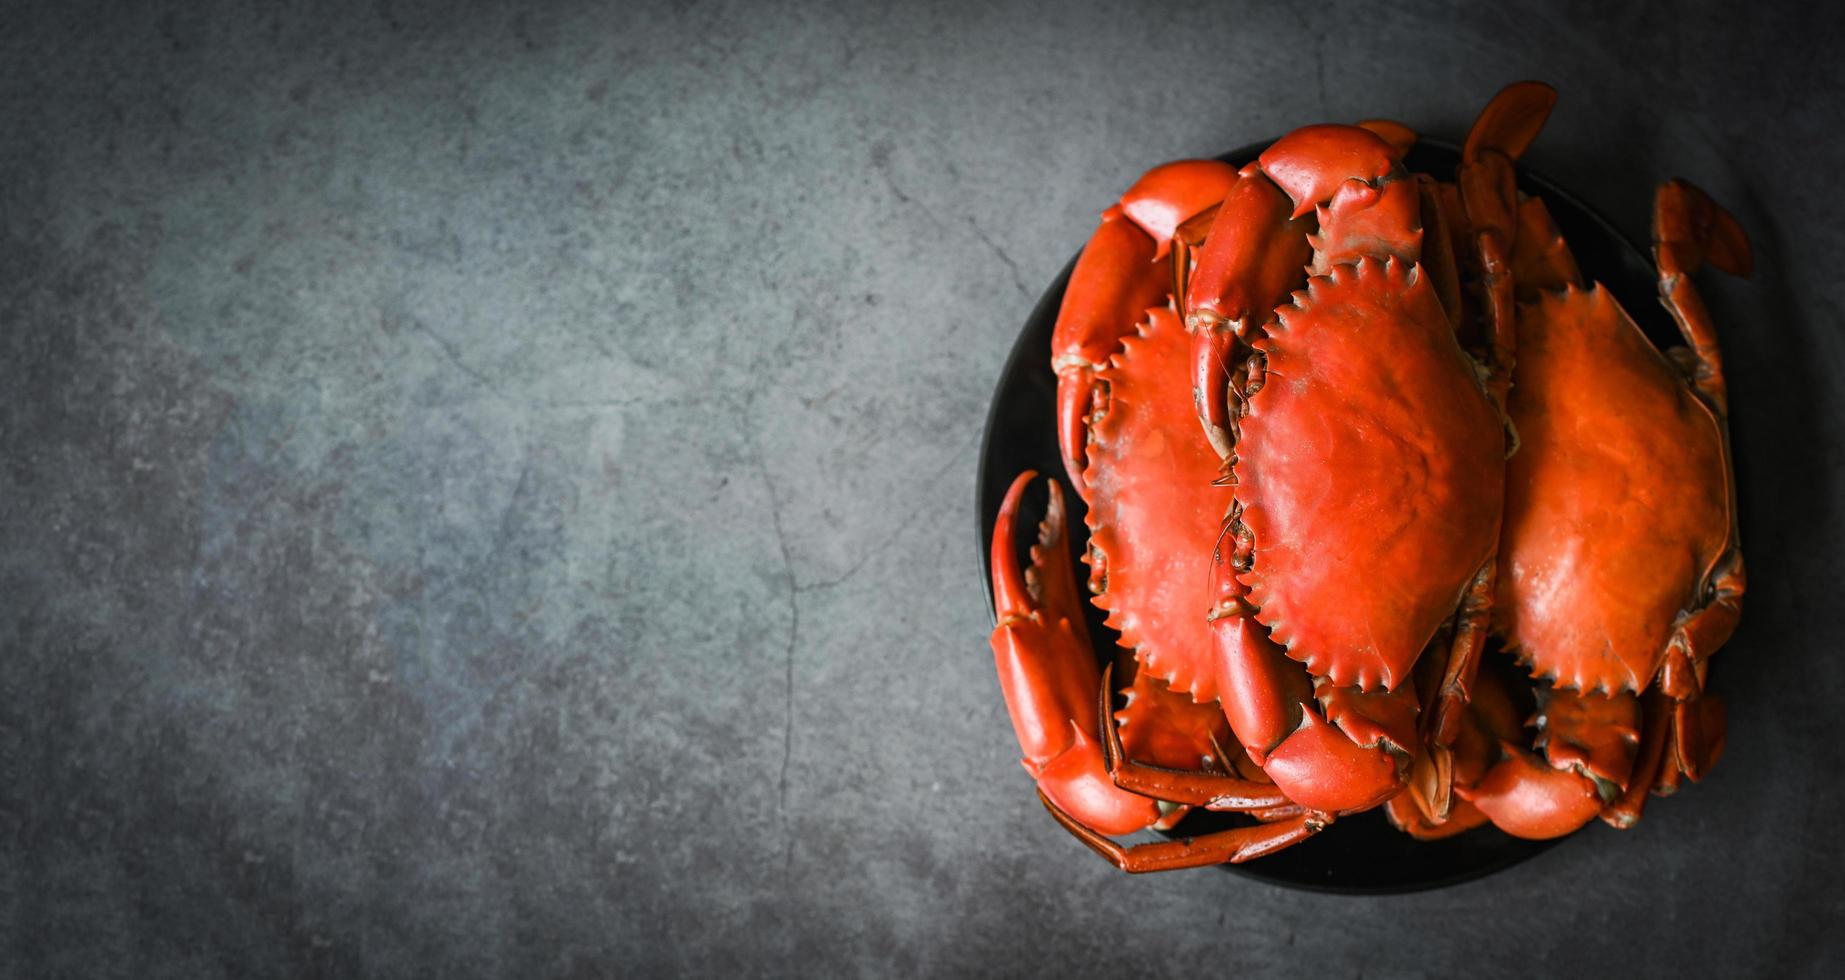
(488,492)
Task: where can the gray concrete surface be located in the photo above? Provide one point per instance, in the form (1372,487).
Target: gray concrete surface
(487,491)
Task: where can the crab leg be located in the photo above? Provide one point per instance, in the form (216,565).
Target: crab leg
(1125,268)
(1541,259)
(1655,734)
(1698,729)
(1427,809)
(1213,791)
(1489,191)
(1690,229)
(1441,218)
(1463,661)
(1664,757)
(1406,816)
(1161,731)
(1705,630)
(1232,846)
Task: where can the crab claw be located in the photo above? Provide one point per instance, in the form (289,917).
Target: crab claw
(1690,229)
(1527,798)
(1349,179)
(1115,280)
(1124,269)
(1250,260)
(1588,744)
(1330,749)
(1049,676)
(1171,194)
(1311,162)
(1323,767)
(1511,120)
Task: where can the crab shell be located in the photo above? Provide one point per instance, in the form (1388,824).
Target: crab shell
(1370,469)
(1616,449)
(1154,513)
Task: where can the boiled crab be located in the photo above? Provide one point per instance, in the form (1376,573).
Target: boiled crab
(1129,434)
(1620,569)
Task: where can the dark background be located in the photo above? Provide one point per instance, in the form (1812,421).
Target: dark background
(488,491)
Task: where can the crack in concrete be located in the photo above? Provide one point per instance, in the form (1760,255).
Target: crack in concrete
(802,588)
(1017,279)
(503,535)
(450,352)
(902,198)
(794,631)
(597,403)
(795,589)
(928,213)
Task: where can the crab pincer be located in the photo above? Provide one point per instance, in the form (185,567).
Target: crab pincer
(1125,268)
(1049,677)
(1048,673)
(1539,772)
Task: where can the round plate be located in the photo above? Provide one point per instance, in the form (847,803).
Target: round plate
(1363,853)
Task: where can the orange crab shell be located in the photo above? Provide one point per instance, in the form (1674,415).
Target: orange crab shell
(1595,608)
(1370,472)
(1153,511)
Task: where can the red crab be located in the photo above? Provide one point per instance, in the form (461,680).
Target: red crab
(1367,498)
(1620,568)
(1618,562)
(1127,430)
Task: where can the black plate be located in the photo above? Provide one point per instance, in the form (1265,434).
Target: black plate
(1360,854)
